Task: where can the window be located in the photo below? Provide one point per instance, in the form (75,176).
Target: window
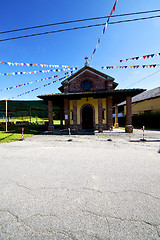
(86,85)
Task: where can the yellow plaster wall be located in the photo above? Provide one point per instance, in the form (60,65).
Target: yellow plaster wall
(71,109)
(152,105)
(93,102)
(104,107)
(83,101)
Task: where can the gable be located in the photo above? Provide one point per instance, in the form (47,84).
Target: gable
(97,82)
(87,75)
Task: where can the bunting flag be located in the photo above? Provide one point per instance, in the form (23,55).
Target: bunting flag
(24,84)
(34,64)
(104,29)
(40,71)
(133,67)
(47,84)
(142,57)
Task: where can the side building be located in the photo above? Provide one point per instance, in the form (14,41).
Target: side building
(87,99)
(146,102)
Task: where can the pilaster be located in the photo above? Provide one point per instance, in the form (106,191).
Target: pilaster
(100,120)
(116,125)
(50,116)
(75,115)
(129,127)
(109,113)
(67,113)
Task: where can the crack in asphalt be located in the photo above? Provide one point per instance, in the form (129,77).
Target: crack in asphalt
(22,226)
(28,230)
(84,188)
(21,186)
(119,218)
(123,219)
(51,234)
(157,231)
(109,228)
(147,194)
(7,211)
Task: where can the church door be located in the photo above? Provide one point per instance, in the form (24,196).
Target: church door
(87,117)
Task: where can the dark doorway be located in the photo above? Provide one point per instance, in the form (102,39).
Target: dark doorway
(87,117)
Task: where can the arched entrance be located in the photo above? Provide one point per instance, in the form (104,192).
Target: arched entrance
(87,117)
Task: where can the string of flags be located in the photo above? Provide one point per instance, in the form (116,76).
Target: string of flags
(34,64)
(132,67)
(40,71)
(24,84)
(104,29)
(47,84)
(141,57)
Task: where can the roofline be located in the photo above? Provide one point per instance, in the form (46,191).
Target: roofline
(139,90)
(94,71)
(142,100)
(146,98)
(118,95)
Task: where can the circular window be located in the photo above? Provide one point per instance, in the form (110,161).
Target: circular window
(86,85)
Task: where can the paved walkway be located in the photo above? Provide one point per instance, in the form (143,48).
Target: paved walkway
(85,189)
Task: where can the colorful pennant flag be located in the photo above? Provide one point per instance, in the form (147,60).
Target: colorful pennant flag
(40,71)
(104,29)
(133,67)
(24,84)
(47,84)
(34,64)
(142,57)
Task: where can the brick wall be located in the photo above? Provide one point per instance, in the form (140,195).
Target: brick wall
(128,127)
(50,116)
(98,82)
(109,113)
(100,120)
(75,115)
(67,113)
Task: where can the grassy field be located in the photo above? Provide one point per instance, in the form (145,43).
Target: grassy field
(15,130)
(27,118)
(11,137)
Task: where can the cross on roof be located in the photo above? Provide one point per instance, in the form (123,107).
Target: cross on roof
(86,63)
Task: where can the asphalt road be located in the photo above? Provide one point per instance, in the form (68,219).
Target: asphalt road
(85,189)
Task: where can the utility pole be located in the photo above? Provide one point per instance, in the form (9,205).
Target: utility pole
(6,116)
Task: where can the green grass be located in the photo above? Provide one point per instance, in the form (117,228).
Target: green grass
(27,118)
(15,130)
(11,137)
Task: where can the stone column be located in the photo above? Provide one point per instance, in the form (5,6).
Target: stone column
(100,120)
(128,127)
(67,113)
(116,125)
(75,116)
(50,116)
(61,117)
(109,113)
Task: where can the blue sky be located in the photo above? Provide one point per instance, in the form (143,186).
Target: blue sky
(120,41)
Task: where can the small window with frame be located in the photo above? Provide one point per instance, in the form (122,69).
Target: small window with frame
(86,85)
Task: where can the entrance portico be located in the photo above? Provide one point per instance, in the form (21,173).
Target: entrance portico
(87,116)
(88,98)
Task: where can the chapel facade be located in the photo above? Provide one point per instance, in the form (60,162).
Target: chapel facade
(87,100)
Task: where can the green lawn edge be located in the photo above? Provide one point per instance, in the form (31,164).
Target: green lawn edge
(7,137)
